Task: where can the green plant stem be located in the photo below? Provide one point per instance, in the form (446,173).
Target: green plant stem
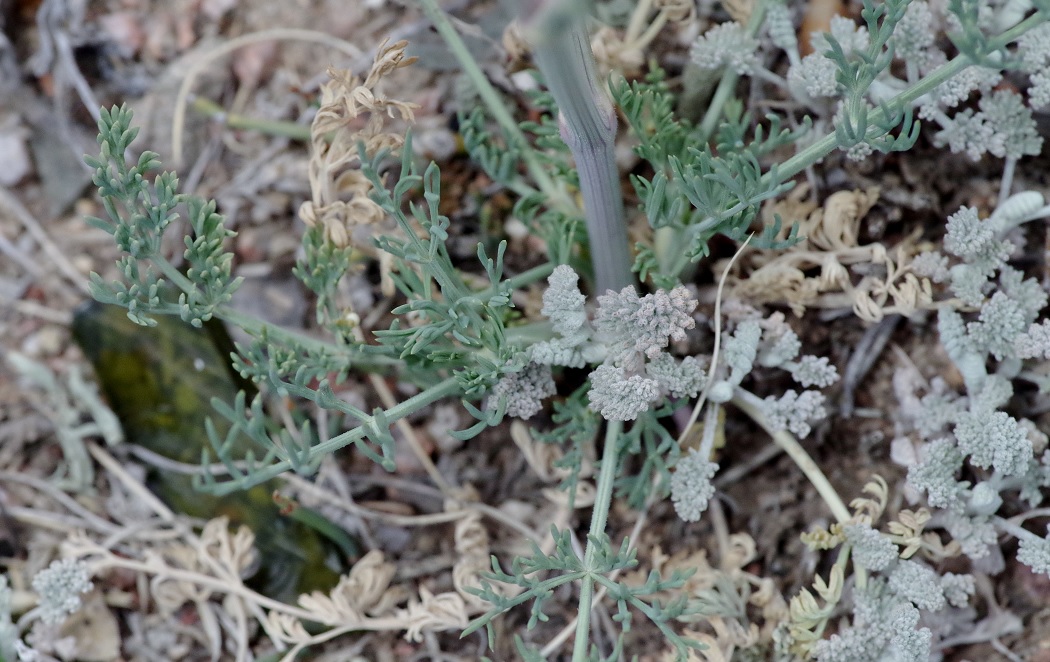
(672,249)
(377,361)
(599,518)
(818,150)
(528,277)
(257,327)
(444,389)
(368,357)
(285,129)
(726,86)
(555,194)
(529,334)
(750,404)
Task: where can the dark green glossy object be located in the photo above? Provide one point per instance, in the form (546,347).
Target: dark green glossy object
(160,381)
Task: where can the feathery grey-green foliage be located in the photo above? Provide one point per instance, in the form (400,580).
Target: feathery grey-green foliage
(864,88)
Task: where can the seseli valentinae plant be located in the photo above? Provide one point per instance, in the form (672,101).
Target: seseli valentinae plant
(625,314)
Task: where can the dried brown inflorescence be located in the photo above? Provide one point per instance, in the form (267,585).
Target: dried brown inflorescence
(352,113)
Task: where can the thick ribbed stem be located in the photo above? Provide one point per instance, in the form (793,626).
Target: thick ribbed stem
(599,518)
(562,51)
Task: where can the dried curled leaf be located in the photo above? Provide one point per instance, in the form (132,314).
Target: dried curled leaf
(723,634)
(729,635)
(836,226)
(472,548)
(365,600)
(819,539)
(434,613)
(869,510)
(539,456)
(233,554)
(807,617)
(908,530)
(739,10)
(542,457)
(582,497)
(216,553)
(612,53)
(364,590)
(286,628)
(887,284)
